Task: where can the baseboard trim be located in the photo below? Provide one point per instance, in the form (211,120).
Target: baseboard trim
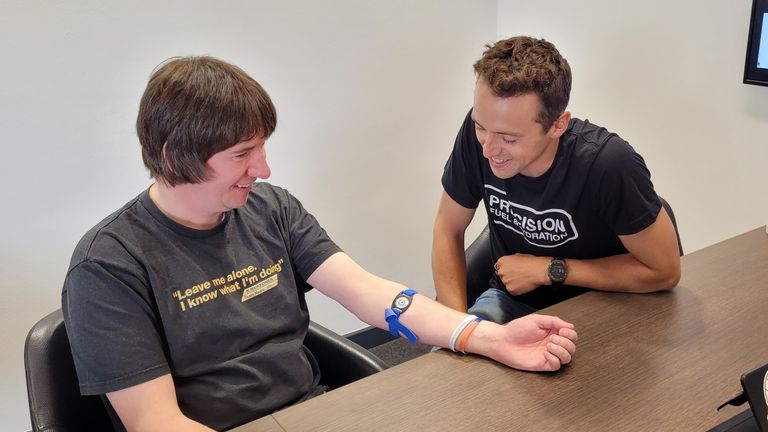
(370,337)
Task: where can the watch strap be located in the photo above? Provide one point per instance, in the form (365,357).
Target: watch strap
(400,304)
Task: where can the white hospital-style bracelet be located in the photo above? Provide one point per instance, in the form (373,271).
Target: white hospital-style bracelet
(458,330)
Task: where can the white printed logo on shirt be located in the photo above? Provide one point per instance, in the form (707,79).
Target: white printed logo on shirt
(548,228)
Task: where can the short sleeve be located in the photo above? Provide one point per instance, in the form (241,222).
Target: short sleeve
(462,175)
(628,202)
(309,244)
(115,340)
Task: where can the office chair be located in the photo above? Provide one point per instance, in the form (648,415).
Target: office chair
(671,214)
(55,403)
(341,361)
(480,262)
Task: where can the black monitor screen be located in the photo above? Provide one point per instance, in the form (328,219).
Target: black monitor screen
(756,68)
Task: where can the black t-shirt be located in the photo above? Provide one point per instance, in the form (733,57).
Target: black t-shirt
(222,310)
(597,188)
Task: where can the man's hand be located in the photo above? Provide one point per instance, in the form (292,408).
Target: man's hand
(522,273)
(535,343)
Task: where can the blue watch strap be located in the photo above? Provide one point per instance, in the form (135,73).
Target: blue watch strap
(400,304)
(397,328)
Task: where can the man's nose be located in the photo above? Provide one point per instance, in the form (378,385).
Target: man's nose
(258,167)
(490,145)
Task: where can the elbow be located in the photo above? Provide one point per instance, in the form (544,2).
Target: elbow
(670,282)
(668,279)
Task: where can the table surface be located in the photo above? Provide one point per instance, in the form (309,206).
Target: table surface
(662,361)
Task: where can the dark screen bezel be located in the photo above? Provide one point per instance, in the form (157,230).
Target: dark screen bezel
(753,74)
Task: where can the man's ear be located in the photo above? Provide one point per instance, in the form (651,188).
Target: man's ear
(560,125)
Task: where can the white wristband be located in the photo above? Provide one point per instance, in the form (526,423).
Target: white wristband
(458,330)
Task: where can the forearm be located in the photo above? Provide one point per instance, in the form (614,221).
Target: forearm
(431,321)
(368,296)
(651,264)
(449,269)
(622,273)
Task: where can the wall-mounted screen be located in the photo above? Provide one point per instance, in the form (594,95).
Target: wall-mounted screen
(756,67)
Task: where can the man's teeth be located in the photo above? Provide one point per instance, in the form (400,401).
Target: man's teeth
(497,160)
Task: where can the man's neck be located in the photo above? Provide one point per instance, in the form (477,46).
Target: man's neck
(544,162)
(173,201)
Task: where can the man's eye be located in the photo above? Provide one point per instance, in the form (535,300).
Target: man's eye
(507,140)
(241,155)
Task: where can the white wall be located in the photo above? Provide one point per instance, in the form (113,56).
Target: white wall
(369,96)
(667,76)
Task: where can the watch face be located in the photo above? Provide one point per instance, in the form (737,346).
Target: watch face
(402,302)
(558,270)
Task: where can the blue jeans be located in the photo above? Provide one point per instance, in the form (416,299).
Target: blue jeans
(500,307)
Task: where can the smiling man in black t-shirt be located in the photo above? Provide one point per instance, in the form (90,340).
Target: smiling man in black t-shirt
(570,205)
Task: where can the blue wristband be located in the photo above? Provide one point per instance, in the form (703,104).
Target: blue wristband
(400,304)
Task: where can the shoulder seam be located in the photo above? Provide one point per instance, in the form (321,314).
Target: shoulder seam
(114,217)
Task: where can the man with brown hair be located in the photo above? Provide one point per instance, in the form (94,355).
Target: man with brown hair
(570,205)
(186,307)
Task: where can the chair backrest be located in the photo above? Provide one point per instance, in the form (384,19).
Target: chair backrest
(55,403)
(671,214)
(480,261)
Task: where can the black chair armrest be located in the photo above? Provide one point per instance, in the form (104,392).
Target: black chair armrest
(341,361)
(479,266)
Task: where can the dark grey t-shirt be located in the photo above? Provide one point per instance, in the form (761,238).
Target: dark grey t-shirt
(222,310)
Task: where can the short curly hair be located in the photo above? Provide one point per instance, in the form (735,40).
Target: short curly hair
(523,64)
(193,108)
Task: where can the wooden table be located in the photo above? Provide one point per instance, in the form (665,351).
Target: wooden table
(645,362)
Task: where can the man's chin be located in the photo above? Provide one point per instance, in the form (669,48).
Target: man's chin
(505,174)
(234,204)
